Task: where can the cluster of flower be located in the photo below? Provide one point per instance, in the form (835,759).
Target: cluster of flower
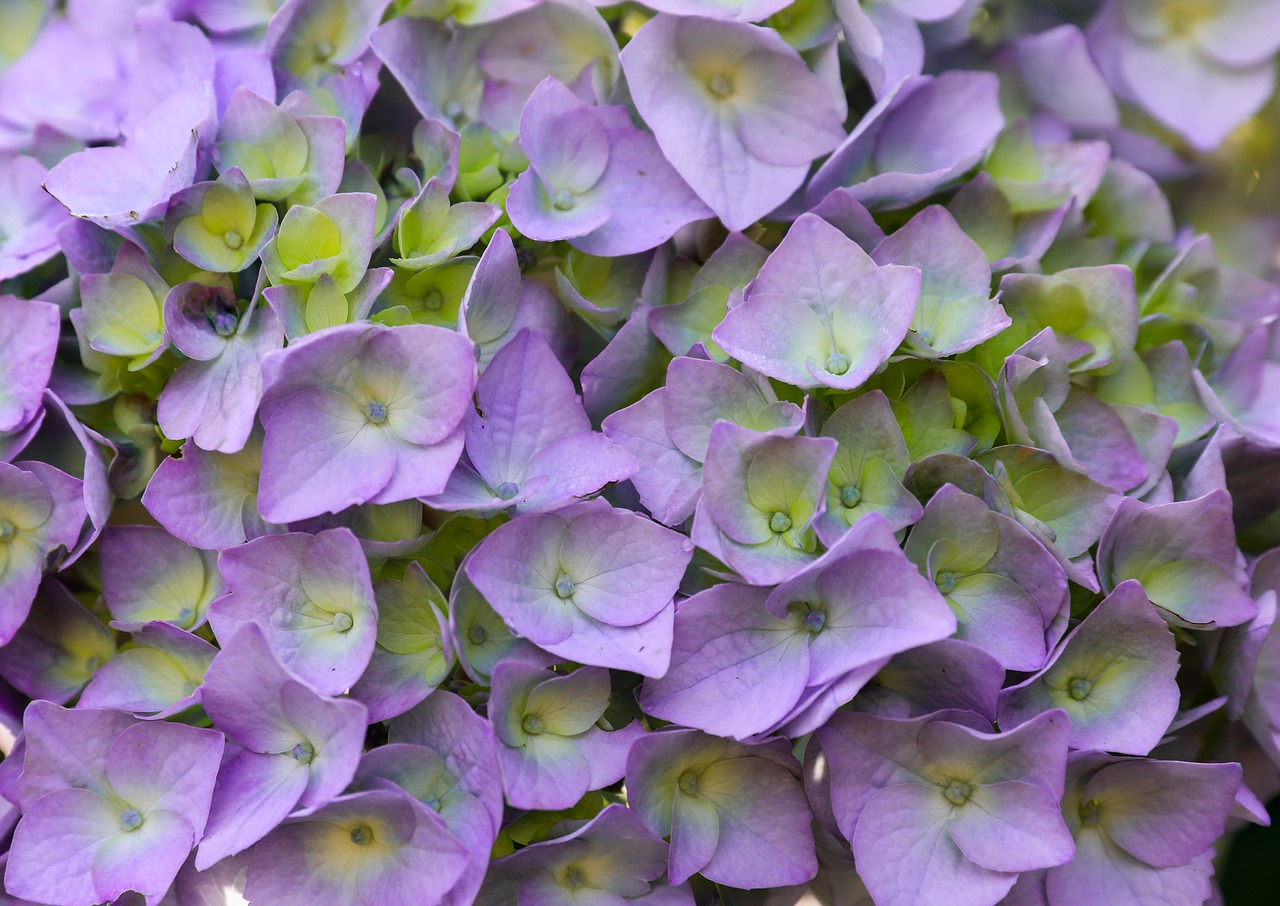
(529,453)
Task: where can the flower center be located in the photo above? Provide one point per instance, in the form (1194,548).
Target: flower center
(303,752)
(837,363)
(532,724)
(130,820)
(342,621)
(507,490)
(433,299)
(814,621)
(720,85)
(1079,689)
(477,635)
(1090,814)
(564,586)
(957,792)
(324,50)
(563,200)
(779,523)
(850,496)
(361,835)
(7,530)
(224,323)
(376,412)
(688,783)
(573,877)
(945,581)
(232,240)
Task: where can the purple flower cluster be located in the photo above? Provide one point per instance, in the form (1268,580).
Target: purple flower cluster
(533,452)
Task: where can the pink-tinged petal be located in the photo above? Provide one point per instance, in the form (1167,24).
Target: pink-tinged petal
(1012,826)
(735,669)
(905,855)
(255,792)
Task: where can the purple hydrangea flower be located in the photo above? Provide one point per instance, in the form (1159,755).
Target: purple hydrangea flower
(1184,554)
(295,746)
(313,598)
(587,582)
(109,805)
(1154,53)
(1007,591)
(552,749)
(213,398)
(668,430)
(41,509)
(1114,675)
(531,445)
(761,495)
(414,650)
(935,809)
(610,859)
(821,313)
(58,649)
(745,657)
(361,413)
(735,814)
(1143,829)
(386,843)
(210,500)
(733,108)
(159,676)
(595,179)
